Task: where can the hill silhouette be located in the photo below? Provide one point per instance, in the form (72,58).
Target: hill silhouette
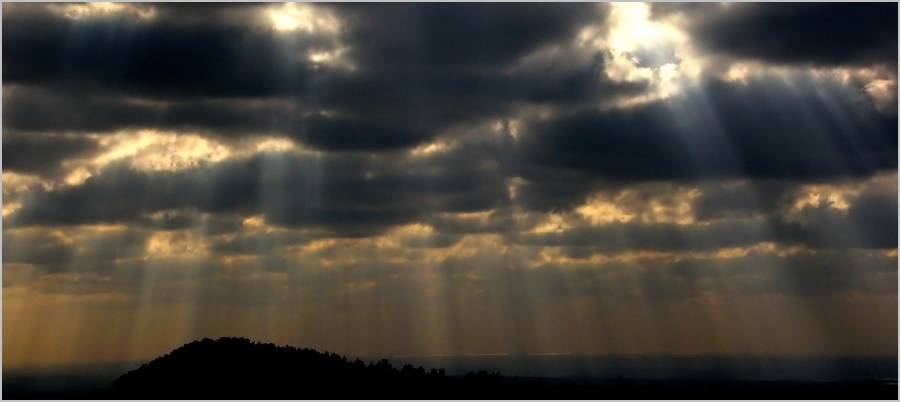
(237,368)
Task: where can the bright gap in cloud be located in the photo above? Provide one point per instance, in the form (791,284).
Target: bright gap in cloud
(639,49)
(289,17)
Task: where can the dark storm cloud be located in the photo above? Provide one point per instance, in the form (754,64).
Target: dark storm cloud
(870,222)
(445,35)
(772,130)
(428,66)
(28,109)
(741,199)
(171,56)
(876,213)
(419,69)
(796,33)
(93,252)
(410,80)
(324,132)
(162,58)
(375,112)
(40,154)
(765,129)
(404,201)
(434,98)
(547,189)
(349,194)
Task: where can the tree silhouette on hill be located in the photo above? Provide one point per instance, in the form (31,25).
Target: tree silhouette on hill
(236,368)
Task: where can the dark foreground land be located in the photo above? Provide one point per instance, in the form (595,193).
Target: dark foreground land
(234,368)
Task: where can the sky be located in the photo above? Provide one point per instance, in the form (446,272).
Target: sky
(446,179)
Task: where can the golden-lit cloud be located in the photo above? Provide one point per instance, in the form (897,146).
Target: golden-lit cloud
(673,206)
(104,10)
(289,17)
(149,150)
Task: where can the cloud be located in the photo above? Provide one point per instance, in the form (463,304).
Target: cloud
(351,194)
(193,70)
(765,129)
(536,175)
(323,132)
(741,199)
(460,35)
(827,229)
(159,58)
(42,155)
(818,34)
(77,250)
(799,273)
(863,225)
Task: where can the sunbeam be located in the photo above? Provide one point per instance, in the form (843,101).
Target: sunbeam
(618,193)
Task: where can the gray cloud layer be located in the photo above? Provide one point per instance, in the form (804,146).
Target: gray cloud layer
(435,143)
(820,34)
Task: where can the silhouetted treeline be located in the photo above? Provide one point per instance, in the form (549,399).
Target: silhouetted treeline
(236,368)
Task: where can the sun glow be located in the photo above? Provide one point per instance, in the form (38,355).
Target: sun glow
(633,30)
(640,49)
(291,17)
